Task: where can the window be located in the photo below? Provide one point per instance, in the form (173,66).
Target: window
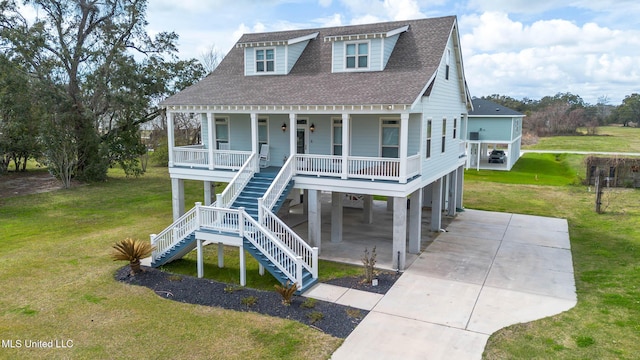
(357,55)
(444,134)
(455,127)
(447,59)
(265,60)
(428,138)
(222,133)
(390,138)
(263,131)
(337,137)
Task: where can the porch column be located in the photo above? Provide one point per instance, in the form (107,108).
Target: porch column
(399,232)
(170,137)
(212,143)
(436,205)
(177,197)
(315,221)
(209,191)
(415,221)
(453,187)
(345,146)
(336,216)
(404,142)
(367,210)
(200,262)
(460,184)
(479,157)
(254,138)
(293,125)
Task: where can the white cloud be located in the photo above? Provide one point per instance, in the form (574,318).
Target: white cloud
(548,56)
(324,3)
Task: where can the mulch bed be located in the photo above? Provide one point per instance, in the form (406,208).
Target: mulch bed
(337,320)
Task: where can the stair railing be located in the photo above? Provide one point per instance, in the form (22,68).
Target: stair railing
(235,186)
(270,246)
(277,227)
(175,232)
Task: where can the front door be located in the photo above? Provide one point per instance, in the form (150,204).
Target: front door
(301,137)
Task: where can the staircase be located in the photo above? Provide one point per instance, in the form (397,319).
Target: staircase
(255,189)
(178,239)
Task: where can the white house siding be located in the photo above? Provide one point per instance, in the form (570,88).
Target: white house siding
(375,55)
(204,131)
(240,132)
(497,129)
(444,102)
(365,135)
(415,123)
(293,53)
(320,139)
(389,44)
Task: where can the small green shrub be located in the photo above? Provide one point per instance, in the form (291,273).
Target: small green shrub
(286,292)
(315,316)
(310,303)
(249,301)
(230,289)
(354,313)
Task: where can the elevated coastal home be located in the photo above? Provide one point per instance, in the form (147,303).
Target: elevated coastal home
(493,127)
(366,110)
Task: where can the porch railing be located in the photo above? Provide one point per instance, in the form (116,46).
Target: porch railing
(320,165)
(196,156)
(238,182)
(358,167)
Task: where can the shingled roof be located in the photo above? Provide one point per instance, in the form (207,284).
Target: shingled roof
(412,64)
(482,107)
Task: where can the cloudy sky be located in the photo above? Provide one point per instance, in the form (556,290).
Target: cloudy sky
(519,48)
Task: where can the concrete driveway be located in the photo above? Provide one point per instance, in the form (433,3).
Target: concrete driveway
(489,271)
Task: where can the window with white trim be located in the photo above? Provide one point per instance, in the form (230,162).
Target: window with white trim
(447,59)
(222,132)
(263,131)
(390,138)
(455,127)
(357,55)
(428,145)
(336,133)
(444,134)
(265,60)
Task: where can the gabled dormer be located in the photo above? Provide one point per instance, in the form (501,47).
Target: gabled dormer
(273,57)
(363,52)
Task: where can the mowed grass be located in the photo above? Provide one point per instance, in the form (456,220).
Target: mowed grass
(533,169)
(605,324)
(57,283)
(609,139)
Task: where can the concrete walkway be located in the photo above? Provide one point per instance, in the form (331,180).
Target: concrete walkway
(490,270)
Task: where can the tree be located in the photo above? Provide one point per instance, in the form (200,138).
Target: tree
(83,50)
(211,58)
(629,110)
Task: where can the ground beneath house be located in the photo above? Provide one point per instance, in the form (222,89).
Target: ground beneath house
(334,319)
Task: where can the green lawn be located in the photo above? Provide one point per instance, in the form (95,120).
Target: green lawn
(606,254)
(57,283)
(609,139)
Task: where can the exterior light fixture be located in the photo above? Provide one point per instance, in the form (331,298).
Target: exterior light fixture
(312,127)
(284,127)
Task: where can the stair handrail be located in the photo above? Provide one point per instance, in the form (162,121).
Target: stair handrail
(277,227)
(279,183)
(288,237)
(235,186)
(178,230)
(270,246)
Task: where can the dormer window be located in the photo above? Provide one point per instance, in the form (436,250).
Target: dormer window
(265,60)
(357,55)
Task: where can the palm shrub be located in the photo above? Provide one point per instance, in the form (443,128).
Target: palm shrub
(132,250)
(286,292)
